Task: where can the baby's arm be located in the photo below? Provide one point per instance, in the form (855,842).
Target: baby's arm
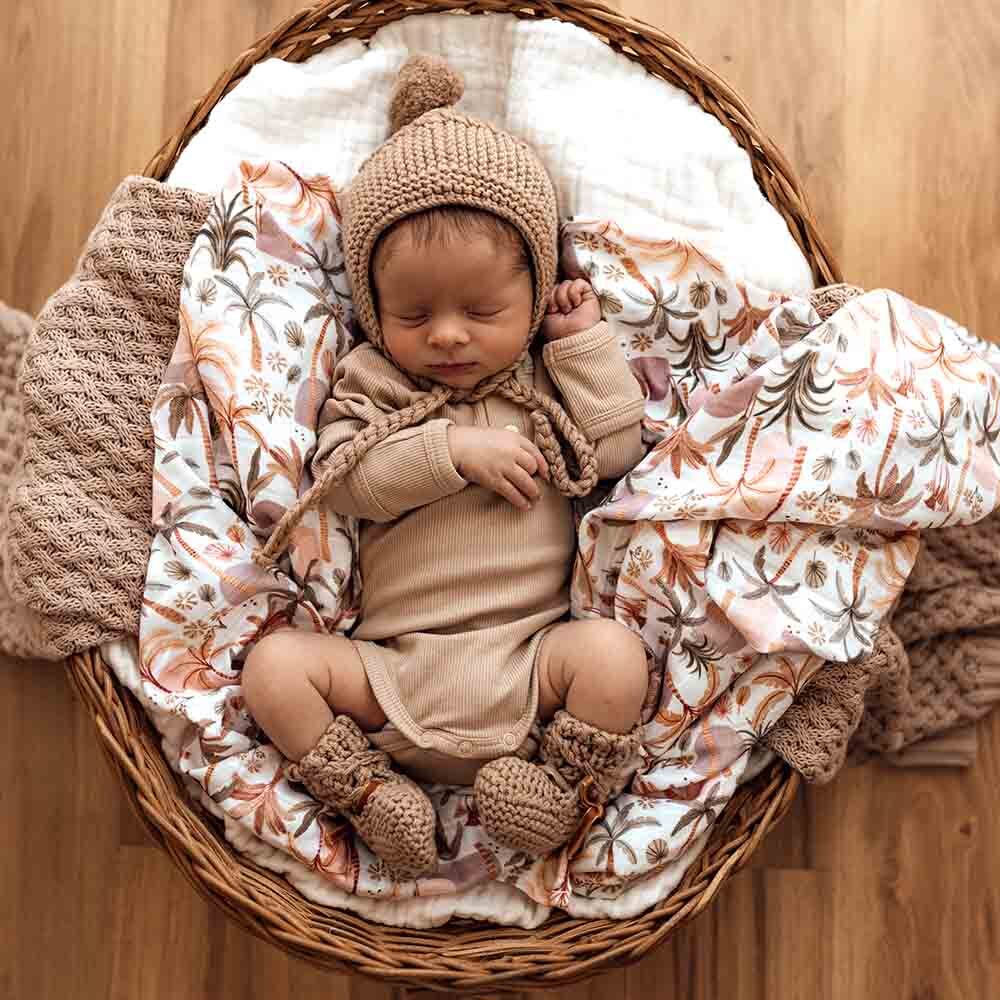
(600,393)
(410,468)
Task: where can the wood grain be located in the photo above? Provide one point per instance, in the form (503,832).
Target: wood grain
(885,883)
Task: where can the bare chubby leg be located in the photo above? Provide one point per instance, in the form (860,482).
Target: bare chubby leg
(595,668)
(311,696)
(296,682)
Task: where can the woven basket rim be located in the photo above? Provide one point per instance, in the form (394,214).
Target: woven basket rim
(462,955)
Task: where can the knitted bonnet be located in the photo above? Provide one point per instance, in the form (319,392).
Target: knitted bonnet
(438,156)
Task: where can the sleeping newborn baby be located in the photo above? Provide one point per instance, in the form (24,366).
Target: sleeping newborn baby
(467,535)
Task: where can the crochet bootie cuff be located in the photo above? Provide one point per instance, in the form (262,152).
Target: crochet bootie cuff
(585,750)
(391,813)
(342,769)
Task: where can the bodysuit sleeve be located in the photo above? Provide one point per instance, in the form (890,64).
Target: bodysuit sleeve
(602,396)
(408,469)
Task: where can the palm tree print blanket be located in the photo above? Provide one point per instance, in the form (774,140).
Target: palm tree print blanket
(792,463)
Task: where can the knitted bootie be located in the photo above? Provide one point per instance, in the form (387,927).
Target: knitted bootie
(537,808)
(391,813)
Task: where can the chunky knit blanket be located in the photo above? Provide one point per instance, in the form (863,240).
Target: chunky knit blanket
(76,526)
(75,485)
(934,669)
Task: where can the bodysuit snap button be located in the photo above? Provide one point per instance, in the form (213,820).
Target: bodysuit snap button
(465,747)
(509,740)
(426,740)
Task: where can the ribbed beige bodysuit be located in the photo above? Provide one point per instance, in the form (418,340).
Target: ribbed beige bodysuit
(459,586)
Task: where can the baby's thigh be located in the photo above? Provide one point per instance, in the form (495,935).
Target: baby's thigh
(598,650)
(329,664)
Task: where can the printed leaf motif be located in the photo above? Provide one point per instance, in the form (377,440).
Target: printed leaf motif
(707,810)
(798,397)
(610,833)
(768,587)
(255,481)
(222,231)
(661,310)
(682,450)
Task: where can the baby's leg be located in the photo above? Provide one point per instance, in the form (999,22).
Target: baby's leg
(296,682)
(299,686)
(596,670)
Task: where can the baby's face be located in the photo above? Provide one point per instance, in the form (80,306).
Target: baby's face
(454,301)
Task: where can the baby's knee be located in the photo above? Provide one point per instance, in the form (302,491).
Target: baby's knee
(620,654)
(605,655)
(607,640)
(267,666)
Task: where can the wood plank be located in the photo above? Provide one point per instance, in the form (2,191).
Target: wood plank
(921,137)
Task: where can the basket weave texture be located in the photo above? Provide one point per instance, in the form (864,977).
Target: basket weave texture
(463,955)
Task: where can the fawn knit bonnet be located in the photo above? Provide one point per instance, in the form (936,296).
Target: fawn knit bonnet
(437,156)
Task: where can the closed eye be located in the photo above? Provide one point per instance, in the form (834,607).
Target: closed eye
(485,314)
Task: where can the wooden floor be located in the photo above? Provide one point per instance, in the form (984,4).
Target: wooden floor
(885,885)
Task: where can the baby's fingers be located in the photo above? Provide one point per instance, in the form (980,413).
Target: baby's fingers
(524,483)
(510,492)
(517,487)
(533,460)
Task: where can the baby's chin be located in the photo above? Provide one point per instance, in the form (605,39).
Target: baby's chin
(463,380)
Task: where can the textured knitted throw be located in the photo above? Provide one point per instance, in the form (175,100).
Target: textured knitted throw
(21,631)
(77,508)
(933,671)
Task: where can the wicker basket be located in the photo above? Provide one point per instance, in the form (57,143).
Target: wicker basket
(463,955)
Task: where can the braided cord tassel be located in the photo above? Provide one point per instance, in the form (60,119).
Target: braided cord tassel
(543,411)
(340,465)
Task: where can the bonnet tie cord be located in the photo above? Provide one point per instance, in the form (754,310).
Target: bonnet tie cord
(549,445)
(343,461)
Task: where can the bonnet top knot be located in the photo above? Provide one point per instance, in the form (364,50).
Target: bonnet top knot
(425,82)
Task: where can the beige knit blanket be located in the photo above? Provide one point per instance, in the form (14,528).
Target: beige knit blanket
(76,448)
(75,485)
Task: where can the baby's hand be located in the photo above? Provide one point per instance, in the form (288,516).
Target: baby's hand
(501,460)
(573,308)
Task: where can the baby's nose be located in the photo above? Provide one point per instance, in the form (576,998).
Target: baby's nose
(447,333)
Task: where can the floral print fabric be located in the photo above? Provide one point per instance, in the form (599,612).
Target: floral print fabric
(792,464)
(777,515)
